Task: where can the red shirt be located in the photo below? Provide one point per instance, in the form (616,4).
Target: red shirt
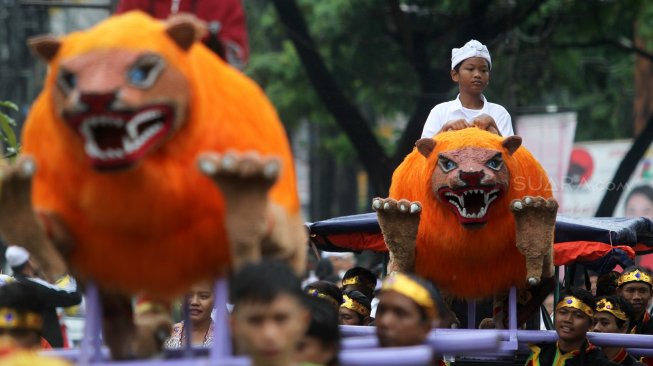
(228,14)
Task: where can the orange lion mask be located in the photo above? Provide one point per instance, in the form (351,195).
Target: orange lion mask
(126,109)
(468,188)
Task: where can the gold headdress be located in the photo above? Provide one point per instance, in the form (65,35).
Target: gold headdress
(576,303)
(356,280)
(315,293)
(408,287)
(354,305)
(606,306)
(12,319)
(634,276)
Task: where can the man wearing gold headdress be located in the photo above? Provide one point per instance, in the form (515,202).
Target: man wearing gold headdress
(408,307)
(355,309)
(573,319)
(635,285)
(21,327)
(613,314)
(359,279)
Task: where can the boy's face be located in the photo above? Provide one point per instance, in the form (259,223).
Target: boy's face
(473,75)
(399,321)
(270,332)
(605,322)
(638,295)
(571,324)
(348,317)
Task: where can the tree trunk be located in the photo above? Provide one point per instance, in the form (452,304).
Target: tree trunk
(352,122)
(643,92)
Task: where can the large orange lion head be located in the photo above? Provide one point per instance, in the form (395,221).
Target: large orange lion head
(468,180)
(121,102)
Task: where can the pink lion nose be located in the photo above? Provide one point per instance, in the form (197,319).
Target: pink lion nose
(97,102)
(472,178)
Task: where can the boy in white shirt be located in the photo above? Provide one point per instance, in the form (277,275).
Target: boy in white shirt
(470,68)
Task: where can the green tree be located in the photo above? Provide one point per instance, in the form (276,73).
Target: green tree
(351,63)
(7,125)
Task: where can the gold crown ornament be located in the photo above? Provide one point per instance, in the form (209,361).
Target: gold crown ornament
(576,303)
(606,306)
(354,305)
(634,276)
(315,293)
(356,280)
(406,286)
(12,319)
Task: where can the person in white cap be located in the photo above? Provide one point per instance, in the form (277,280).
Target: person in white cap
(26,270)
(470,68)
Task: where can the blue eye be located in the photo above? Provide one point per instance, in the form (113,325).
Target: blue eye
(145,71)
(494,164)
(137,75)
(447,165)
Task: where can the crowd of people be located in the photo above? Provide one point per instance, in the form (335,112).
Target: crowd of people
(276,321)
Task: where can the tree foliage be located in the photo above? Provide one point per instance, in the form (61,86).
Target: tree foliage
(388,59)
(7,125)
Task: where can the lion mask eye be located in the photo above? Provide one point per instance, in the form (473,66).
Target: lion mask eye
(145,71)
(66,80)
(446,165)
(496,163)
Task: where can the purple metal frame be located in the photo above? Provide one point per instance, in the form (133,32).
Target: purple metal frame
(359,346)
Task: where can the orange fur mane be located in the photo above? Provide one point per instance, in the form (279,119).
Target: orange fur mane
(468,263)
(158,226)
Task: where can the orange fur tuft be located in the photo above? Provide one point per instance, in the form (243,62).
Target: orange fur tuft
(468,263)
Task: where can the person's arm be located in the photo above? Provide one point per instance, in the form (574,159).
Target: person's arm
(52,295)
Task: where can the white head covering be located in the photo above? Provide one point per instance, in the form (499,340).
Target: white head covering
(472,48)
(342,255)
(16,256)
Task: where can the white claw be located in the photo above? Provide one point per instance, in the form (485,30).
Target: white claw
(28,168)
(415,208)
(403,208)
(386,206)
(207,166)
(528,200)
(533,281)
(376,204)
(229,163)
(517,206)
(271,170)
